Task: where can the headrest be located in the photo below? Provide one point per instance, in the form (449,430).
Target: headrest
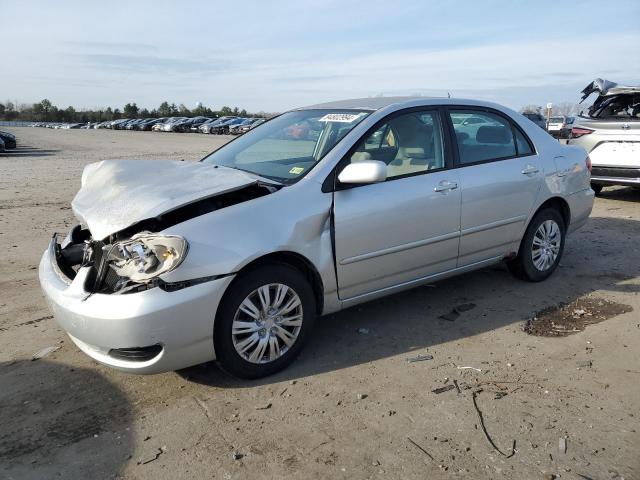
(491,134)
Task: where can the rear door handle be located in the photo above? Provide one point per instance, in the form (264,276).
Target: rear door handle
(445,186)
(530,170)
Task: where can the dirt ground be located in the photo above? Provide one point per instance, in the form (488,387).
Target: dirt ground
(351,406)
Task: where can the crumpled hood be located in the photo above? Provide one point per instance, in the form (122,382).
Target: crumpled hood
(115,194)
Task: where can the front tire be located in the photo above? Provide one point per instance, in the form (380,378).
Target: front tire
(541,247)
(263,321)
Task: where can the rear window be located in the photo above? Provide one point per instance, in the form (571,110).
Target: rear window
(490,139)
(556,120)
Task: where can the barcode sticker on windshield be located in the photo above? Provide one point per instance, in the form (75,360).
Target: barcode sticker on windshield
(340,117)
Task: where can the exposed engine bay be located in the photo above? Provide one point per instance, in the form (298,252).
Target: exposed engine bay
(133,259)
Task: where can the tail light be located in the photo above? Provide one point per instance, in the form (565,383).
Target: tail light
(587,161)
(577,132)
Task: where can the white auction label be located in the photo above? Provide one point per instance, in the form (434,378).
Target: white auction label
(341,117)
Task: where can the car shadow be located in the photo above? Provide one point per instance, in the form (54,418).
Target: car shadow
(61,422)
(409,322)
(625,194)
(28,151)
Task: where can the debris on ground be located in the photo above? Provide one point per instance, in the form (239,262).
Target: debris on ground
(479,370)
(266,406)
(453,315)
(446,388)
(583,364)
(567,318)
(455,384)
(419,358)
(362,396)
(363,331)
(562,445)
(43,353)
(156,455)
(421,449)
(237,455)
(486,434)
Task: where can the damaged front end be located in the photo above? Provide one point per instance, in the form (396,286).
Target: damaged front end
(120,267)
(133,259)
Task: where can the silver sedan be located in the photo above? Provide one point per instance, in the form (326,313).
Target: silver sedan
(321,208)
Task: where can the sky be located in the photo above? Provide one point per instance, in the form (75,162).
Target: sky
(275,55)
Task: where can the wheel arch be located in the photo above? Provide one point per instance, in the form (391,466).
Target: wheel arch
(294,260)
(559,204)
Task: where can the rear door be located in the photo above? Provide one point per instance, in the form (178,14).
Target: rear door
(405,228)
(500,177)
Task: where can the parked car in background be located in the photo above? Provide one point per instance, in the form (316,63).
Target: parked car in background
(2,147)
(235,129)
(208,127)
(609,130)
(8,139)
(149,123)
(246,126)
(197,128)
(536,118)
(222,128)
(186,124)
(560,126)
(234,257)
(134,123)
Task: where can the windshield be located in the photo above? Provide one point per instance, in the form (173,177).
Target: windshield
(287,147)
(556,120)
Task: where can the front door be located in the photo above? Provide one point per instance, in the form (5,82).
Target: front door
(407,227)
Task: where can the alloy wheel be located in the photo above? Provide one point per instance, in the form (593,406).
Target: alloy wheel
(546,245)
(267,323)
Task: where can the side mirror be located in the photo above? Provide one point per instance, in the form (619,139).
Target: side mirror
(368,171)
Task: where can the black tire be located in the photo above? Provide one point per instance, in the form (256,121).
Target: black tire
(522,266)
(227,357)
(597,188)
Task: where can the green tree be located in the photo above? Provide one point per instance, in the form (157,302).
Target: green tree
(164,110)
(117,114)
(130,110)
(184,111)
(225,111)
(69,114)
(46,108)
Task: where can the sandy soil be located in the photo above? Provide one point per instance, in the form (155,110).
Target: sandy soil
(352,406)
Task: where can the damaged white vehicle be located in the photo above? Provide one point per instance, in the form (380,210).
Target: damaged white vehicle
(233,258)
(609,130)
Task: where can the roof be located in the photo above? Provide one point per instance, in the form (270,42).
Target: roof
(369,103)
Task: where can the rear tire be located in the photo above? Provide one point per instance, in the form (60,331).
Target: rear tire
(541,247)
(288,328)
(597,188)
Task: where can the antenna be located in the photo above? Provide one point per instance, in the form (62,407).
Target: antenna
(448,94)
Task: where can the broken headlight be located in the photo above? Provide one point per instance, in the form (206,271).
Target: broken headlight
(145,256)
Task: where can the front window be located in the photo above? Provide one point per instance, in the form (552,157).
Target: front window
(409,144)
(287,147)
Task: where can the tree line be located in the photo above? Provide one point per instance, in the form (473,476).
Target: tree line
(45,111)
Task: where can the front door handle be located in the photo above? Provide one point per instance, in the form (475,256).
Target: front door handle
(445,186)
(530,170)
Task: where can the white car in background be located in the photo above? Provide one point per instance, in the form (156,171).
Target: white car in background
(610,133)
(560,127)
